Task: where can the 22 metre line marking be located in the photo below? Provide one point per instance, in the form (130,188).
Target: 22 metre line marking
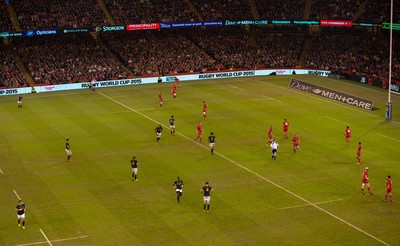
(254,173)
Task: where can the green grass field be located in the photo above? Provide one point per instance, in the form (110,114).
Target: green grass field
(308,198)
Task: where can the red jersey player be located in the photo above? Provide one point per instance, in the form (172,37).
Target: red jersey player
(199,132)
(173,90)
(160,99)
(388,189)
(365,181)
(177,81)
(285,129)
(347,134)
(205,106)
(296,143)
(270,135)
(358,155)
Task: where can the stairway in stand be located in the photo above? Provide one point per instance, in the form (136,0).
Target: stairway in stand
(14,17)
(106,12)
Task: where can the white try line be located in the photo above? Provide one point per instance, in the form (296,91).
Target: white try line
(389,138)
(270,98)
(256,174)
(336,120)
(236,87)
(44,235)
(54,241)
(304,205)
(1,171)
(16,194)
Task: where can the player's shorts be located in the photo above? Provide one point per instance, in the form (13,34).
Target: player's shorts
(69,152)
(296,146)
(172,126)
(178,190)
(199,133)
(204,112)
(388,190)
(19,102)
(134,170)
(161,102)
(358,154)
(206,199)
(212,145)
(274,150)
(174,94)
(365,181)
(158,134)
(21,216)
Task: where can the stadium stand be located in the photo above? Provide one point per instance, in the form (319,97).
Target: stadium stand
(81,57)
(380,14)
(233,47)
(354,53)
(158,52)
(5,20)
(334,9)
(144,11)
(280,9)
(10,74)
(76,58)
(223,10)
(41,14)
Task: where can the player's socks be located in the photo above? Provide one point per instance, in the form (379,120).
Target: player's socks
(208,208)
(204,207)
(177,198)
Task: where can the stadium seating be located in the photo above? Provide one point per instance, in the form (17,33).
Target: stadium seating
(130,12)
(73,58)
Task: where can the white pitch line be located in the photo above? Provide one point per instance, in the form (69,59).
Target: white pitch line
(304,205)
(236,87)
(256,174)
(19,198)
(336,120)
(389,137)
(56,240)
(44,235)
(1,171)
(323,99)
(270,98)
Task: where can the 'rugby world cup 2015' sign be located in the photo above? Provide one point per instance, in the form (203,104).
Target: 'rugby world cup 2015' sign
(331,94)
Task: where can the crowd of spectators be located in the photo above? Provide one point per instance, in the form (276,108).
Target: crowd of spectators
(279,50)
(281,9)
(235,48)
(5,20)
(68,59)
(223,10)
(377,11)
(158,52)
(149,11)
(334,9)
(353,53)
(10,74)
(42,14)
